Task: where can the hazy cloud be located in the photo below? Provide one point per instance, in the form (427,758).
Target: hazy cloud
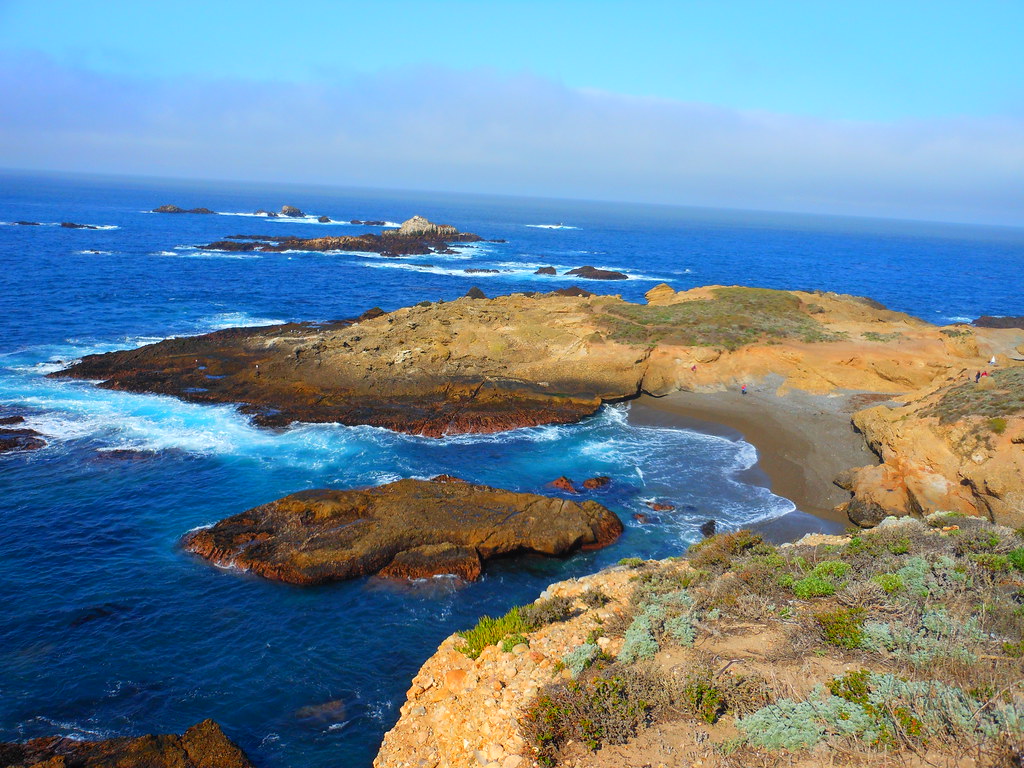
(481,131)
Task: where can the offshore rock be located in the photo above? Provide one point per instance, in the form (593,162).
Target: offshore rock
(405,529)
(72,225)
(592,273)
(201,746)
(292,212)
(176,209)
(20,440)
(418,226)
(988,321)
(546,271)
(324,219)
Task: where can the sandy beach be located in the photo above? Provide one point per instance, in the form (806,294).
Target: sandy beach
(803,441)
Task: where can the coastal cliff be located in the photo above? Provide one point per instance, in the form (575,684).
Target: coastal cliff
(856,650)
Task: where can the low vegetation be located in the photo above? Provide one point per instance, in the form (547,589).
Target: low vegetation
(929,615)
(998,398)
(735,317)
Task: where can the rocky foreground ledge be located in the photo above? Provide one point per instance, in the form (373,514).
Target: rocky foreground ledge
(477,365)
(898,646)
(201,746)
(409,529)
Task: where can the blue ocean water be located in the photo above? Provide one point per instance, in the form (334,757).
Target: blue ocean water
(107,628)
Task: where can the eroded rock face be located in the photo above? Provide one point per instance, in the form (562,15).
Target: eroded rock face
(405,529)
(201,746)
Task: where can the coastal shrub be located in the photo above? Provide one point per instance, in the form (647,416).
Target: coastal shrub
(881,710)
(813,586)
(595,598)
(580,657)
(716,553)
(639,641)
(682,629)
(890,583)
(842,627)
(1016,558)
(882,337)
(735,317)
(701,697)
(548,611)
(1003,399)
(997,424)
(490,631)
(992,562)
(609,707)
(632,562)
(935,636)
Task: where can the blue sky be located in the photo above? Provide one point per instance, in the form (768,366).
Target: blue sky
(912,109)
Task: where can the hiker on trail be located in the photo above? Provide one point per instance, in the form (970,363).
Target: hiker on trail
(743,389)
(984,373)
(694,369)
(977,377)
(992,361)
(257,370)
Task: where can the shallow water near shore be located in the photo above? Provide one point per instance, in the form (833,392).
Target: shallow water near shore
(108,629)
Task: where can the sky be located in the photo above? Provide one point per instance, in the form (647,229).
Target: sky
(898,109)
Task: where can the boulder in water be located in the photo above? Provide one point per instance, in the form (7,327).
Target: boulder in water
(592,273)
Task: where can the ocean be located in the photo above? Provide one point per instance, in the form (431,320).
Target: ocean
(108,629)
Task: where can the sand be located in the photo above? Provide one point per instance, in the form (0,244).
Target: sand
(803,441)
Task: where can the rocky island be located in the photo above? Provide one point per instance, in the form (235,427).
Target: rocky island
(472,365)
(414,236)
(409,529)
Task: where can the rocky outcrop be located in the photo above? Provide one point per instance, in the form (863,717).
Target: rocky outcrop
(324,219)
(989,321)
(412,241)
(291,212)
(368,223)
(176,209)
(405,529)
(73,225)
(19,439)
(546,271)
(201,746)
(419,227)
(592,273)
(958,448)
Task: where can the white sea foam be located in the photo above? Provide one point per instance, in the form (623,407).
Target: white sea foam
(959,319)
(164,253)
(94,252)
(551,226)
(236,320)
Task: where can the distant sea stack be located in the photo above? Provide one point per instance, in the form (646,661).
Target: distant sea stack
(176,209)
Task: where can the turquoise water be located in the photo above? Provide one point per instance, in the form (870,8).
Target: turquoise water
(108,629)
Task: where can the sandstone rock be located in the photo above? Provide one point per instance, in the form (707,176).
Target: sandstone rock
(201,746)
(592,273)
(418,226)
(292,212)
(660,295)
(563,483)
(596,482)
(405,529)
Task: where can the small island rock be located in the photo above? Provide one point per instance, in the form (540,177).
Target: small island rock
(592,273)
(292,212)
(405,529)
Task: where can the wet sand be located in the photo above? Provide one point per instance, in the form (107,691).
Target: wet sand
(803,441)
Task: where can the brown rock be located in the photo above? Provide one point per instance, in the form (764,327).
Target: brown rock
(596,482)
(563,483)
(546,271)
(176,209)
(640,517)
(20,440)
(658,506)
(292,212)
(324,219)
(201,746)
(405,529)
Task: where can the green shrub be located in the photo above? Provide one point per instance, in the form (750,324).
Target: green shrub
(890,583)
(1016,558)
(595,598)
(716,553)
(997,424)
(639,642)
(993,562)
(842,626)
(489,631)
(702,698)
(632,562)
(813,586)
(833,570)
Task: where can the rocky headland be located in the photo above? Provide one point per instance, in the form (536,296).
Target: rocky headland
(475,365)
(201,746)
(409,529)
(898,646)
